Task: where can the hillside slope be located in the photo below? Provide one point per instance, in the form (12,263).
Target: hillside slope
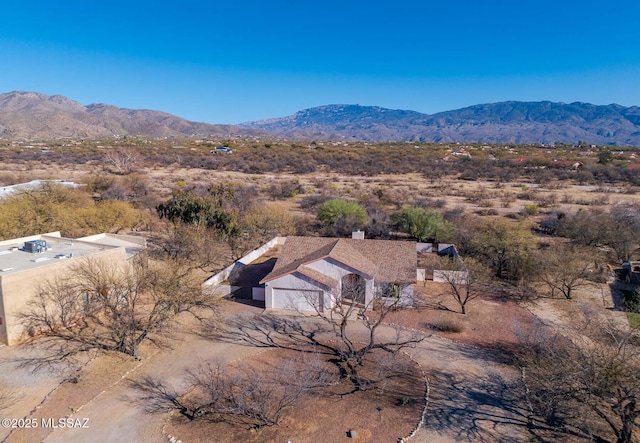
(35,115)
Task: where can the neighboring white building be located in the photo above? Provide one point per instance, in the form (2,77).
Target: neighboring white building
(27,261)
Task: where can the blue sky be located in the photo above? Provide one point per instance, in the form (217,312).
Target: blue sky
(229,62)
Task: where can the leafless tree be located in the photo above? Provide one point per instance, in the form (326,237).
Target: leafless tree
(193,247)
(107,306)
(627,230)
(123,161)
(240,394)
(465,282)
(597,369)
(564,268)
(357,325)
(356,340)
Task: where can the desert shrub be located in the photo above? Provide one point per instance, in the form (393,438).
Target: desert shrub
(423,224)
(634,319)
(284,189)
(336,210)
(426,203)
(312,201)
(446,325)
(631,301)
(487,212)
(71,211)
(100,183)
(454,214)
(8,178)
(507,199)
(379,223)
(527,194)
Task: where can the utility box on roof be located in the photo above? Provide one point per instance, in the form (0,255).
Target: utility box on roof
(34,246)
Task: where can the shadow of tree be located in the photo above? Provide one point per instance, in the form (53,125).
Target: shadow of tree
(479,409)
(155,396)
(489,409)
(269,331)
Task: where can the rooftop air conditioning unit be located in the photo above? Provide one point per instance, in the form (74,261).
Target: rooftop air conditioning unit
(35,246)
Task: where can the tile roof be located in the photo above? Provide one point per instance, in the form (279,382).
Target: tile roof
(318,276)
(384,260)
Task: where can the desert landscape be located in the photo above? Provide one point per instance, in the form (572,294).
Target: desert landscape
(476,376)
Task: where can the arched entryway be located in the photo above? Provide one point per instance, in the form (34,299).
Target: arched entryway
(354,288)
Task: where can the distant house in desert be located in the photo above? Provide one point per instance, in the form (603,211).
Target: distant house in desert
(568,164)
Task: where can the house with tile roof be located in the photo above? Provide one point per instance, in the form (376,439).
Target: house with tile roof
(311,273)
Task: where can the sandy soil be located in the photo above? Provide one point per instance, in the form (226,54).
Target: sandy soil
(326,416)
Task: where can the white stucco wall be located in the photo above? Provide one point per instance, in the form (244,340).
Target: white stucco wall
(294,291)
(337,270)
(257,294)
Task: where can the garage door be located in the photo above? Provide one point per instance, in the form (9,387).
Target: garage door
(297,300)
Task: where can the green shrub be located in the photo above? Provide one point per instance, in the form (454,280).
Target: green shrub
(423,224)
(330,212)
(634,319)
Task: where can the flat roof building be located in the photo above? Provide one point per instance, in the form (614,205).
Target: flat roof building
(27,261)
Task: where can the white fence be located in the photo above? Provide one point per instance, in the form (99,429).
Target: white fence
(241,263)
(460,277)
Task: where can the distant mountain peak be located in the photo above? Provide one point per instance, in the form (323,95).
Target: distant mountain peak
(26,114)
(36,115)
(504,122)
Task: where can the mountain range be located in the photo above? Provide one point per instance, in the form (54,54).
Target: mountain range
(505,122)
(35,115)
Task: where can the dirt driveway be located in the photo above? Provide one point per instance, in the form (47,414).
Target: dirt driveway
(102,393)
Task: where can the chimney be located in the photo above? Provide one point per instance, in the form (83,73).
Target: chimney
(358,235)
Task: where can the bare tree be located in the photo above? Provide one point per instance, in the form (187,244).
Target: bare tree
(122,160)
(110,307)
(194,247)
(357,325)
(358,341)
(464,281)
(564,268)
(242,395)
(627,230)
(597,370)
